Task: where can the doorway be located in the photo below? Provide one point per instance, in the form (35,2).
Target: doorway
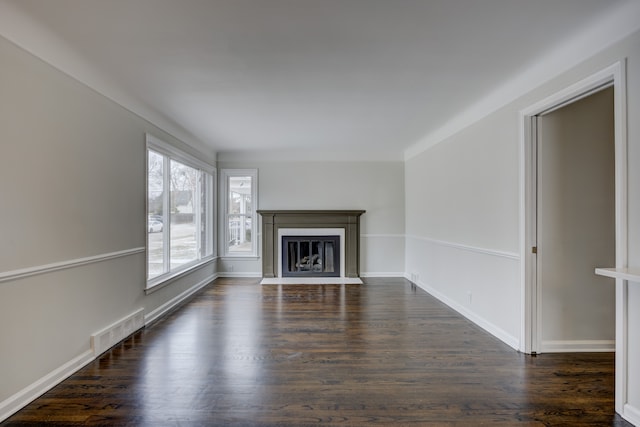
(614,77)
(575,225)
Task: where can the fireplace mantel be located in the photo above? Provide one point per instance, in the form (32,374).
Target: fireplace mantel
(273,220)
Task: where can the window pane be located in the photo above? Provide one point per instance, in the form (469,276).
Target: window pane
(206,214)
(155,215)
(184,196)
(239,234)
(203,213)
(240,204)
(180,217)
(240,195)
(240,209)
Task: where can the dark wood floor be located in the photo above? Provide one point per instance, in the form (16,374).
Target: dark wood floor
(384,353)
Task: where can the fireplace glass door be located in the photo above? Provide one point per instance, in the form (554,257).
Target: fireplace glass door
(309,256)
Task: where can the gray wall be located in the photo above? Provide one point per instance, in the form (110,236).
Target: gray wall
(72,180)
(377,187)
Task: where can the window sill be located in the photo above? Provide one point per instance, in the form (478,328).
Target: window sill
(162,281)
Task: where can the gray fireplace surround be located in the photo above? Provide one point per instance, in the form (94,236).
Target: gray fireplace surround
(274,220)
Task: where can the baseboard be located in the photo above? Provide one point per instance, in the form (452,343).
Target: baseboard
(100,342)
(239,274)
(631,414)
(378,274)
(28,394)
(111,335)
(497,332)
(177,300)
(578,346)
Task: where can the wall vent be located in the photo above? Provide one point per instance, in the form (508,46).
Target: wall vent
(111,335)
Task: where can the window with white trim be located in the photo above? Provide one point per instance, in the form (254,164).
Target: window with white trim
(240,187)
(180,212)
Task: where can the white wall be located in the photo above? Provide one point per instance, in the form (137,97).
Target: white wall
(462,223)
(377,187)
(462,208)
(72,180)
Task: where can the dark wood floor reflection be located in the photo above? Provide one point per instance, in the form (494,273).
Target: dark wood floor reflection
(384,353)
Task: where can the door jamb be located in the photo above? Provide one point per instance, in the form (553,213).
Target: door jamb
(615,76)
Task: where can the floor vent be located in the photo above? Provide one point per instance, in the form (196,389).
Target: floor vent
(113,334)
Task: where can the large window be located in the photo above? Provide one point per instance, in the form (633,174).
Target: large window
(240,186)
(180,206)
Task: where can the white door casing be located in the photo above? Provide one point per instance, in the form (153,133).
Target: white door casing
(614,76)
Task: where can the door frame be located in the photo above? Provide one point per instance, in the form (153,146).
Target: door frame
(612,76)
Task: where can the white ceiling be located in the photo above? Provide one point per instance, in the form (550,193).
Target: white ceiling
(365,78)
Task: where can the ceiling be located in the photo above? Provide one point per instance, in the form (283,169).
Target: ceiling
(370,79)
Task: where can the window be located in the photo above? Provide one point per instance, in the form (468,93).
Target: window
(180,206)
(240,186)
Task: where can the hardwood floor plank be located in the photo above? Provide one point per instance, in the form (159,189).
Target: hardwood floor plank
(384,353)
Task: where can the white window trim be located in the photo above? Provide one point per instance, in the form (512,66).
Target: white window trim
(225,174)
(161,147)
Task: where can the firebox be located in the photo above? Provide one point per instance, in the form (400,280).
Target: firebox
(310,256)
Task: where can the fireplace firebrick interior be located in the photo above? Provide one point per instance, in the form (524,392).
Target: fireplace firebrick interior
(310,256)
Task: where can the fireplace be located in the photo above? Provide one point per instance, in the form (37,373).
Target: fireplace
(310,256)
(317,228)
